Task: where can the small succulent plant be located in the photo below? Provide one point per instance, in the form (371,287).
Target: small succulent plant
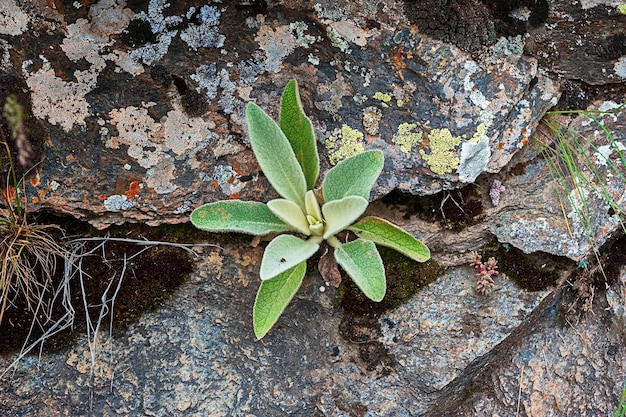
(287,154)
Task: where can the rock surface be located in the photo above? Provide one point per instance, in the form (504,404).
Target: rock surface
(137,116)
(149,99)
(446,352)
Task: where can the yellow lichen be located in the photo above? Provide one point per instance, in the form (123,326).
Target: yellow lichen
(385,98)
(480,131)
(622,8)
(407,136)
(442,159)
(343,143)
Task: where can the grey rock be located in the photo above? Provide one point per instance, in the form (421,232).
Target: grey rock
(453,352)
(119,92)
(582,41)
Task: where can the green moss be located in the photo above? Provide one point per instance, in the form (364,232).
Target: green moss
(622,8)
(407,136)
(442,158)
(344,143)
(405,277)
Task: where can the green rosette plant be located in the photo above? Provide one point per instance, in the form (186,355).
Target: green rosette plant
(287,154)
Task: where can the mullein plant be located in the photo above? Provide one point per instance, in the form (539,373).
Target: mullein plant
(305,217)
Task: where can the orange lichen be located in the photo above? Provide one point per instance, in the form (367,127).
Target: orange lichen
(102,197)
(35,200)
(215,183)
(500,146)
(524,141)
(133,190)
(398,63)
(234,196)
(35,180)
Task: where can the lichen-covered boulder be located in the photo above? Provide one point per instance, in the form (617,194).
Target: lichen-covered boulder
(142,103)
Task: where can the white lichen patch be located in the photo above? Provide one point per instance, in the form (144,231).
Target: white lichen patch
(620,67)
(158,22)
(474,159)
(476,96)
(152,52)
(118,202)
(62,103)
(136,130)
(160,26)
(87,39)
(604,152)
(303,39)
(206,34)
(227,179)
(371,119)
(336,40)
(349,31)
(79,44)
(161,177)
(13,21)
(109,17)
(183,134)
(276,43)
(5,55)
(207,79)
(154,145)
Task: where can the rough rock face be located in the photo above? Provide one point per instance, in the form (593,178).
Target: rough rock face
(136,115)
(149,99)
(446,352)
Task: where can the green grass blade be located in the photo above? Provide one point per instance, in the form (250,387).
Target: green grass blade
(361,260)
(298,129)
(387,234)
(621,407)
(353,176)
(250,217)
(273,297)
(275,156)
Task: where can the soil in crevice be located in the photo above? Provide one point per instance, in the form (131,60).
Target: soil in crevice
(150,277)
(453,210)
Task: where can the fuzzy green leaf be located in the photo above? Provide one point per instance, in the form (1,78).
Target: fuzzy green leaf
(285,252)
(273,296)
(275,156)
(384,233)
(339,214)
(248,217)
(353,176)
(361,260)
(299,131)
(290,213)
